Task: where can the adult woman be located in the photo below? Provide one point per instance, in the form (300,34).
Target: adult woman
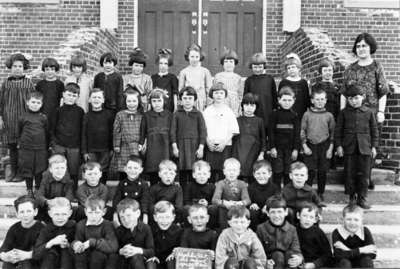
(368,74)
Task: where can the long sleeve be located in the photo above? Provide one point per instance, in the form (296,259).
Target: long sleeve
(331,126)
(120,94)
(340,253)
(374,131)
(258,253)
(217,197)
(208,81)
(262,136)
(148,250)
(107,244)
(143,130)
(2,89)
(40,247)
(296,124)
(117,131)
(179,198)
(245,195)
(9,241)
(187,200)
(145,199)
(274,94)
(303,128)
(203,129)
(84,138)
(117,195)
(325,248)
(339,129)
(271,131)
(220,251)
(69,191)
(294,247)
(40,194)
(174,128)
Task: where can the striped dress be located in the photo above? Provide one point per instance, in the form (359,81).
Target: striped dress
(13,97)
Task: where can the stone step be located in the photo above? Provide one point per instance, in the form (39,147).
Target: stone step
(379,176)
(383,194)
(378,215)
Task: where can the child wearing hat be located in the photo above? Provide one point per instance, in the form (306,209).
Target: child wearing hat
(142,81)
(263,85)
(356,138)
(231,80)
(196,76)
(299,85)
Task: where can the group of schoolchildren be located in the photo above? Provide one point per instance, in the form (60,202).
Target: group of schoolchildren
(135,126)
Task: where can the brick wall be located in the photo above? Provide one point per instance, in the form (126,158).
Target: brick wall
(38,29)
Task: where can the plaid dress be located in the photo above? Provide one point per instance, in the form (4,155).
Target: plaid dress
(126,136)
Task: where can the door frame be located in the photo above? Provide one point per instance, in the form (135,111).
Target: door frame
(200,23)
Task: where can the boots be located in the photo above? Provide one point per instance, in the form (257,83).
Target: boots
(362,202)
(9,174)
(353,199)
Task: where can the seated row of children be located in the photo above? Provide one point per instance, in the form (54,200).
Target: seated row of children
(95,243)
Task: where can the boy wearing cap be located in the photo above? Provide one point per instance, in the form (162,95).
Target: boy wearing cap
(356,138)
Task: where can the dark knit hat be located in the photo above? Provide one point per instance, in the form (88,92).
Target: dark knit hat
(229,54)
(257,58)
(137,56)
(353,90)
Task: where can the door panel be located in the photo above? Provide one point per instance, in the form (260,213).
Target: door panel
(167,24)
(173,24)
(234,24)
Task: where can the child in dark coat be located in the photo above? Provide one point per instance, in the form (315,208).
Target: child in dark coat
(250,145)
(97,130)
(279,237)
(66,130)
(188,134)
(51,87)
(155,131)
(110,82)
(55,183)
(16,250)
(199,236)
(201,191)
(314,244)
(353,245)
(33,142)
(297,192)
(262,85)
(134,187)
(13,97)
(259,191)
(135,237)
(53,245)
(95,245)
(356,138)
(167,236)
(284,136)
(167,189)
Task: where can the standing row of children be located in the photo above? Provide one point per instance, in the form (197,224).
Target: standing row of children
(189,133)
(279,241)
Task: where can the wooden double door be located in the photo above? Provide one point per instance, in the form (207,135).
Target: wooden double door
(214,24)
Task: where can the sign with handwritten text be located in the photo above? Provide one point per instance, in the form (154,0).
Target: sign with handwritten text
(193,258)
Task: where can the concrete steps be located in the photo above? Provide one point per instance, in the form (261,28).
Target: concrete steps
(383,219)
